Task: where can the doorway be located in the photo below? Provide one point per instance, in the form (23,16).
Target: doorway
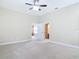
(47,30)
(40,31)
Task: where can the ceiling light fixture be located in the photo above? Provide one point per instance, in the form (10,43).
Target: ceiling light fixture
(36,8)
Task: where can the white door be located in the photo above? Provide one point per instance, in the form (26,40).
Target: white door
(40,32)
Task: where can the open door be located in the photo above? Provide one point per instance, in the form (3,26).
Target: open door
(40,31)
(47,31)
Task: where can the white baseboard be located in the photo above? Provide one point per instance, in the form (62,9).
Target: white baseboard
(8,43)
(43,41)
(65,44)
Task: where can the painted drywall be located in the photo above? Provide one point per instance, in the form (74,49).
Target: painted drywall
(64,24)
(15,26)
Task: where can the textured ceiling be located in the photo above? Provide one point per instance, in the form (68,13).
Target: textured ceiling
(19,5)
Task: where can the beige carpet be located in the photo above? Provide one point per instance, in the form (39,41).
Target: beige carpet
(38,50)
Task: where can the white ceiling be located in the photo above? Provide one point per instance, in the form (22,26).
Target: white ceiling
(19,5)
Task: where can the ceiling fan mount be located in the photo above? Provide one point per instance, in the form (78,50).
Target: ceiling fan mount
(35,5)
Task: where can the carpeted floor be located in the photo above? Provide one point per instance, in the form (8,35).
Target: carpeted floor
(38,50)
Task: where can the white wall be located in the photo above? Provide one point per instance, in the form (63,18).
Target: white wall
(64,24)
(15,26)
